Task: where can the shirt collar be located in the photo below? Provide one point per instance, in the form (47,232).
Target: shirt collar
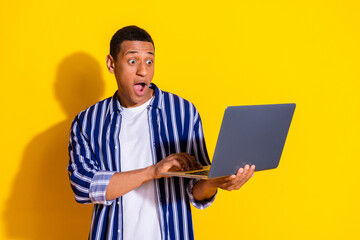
(156,102)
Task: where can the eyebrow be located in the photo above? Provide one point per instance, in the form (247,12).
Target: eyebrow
(129,52)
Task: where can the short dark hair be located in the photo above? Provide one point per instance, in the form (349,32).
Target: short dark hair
(129,33)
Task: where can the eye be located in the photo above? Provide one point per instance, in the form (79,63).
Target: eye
(148,62)
(132,61)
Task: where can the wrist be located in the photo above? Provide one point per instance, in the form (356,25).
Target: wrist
(151,172)
(210,186)
(204,189)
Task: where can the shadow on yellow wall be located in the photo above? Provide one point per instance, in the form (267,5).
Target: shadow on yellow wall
(42,205)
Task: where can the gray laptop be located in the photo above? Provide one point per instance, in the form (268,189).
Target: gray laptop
(253,134)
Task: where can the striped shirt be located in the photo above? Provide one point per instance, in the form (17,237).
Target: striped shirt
(94,150)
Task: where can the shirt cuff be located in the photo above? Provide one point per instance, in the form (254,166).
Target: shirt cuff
(198,204)
(98,186)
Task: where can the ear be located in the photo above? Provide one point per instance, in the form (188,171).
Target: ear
(110,63)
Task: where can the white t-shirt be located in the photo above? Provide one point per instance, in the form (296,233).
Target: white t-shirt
(141,220)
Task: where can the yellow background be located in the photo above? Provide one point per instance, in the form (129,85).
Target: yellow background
(213,53)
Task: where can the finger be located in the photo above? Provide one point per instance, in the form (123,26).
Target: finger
(253,168)
(225,185)
(198,165)
(248,172)
(166,166)
(195,164)
(239,175)
(247,167)
(190,160)
(178,158)
(230,185)
(238,186)
(227,182)
(219,182)
(183,161)
(237,180)
(226,179)
(242,176)
(246,176)
(173,165)
(251,171)
(240,171)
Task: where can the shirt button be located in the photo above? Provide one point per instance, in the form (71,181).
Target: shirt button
(117,125)
(115,147)
(118,230)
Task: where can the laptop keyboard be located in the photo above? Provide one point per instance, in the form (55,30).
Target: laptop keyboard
(205,173)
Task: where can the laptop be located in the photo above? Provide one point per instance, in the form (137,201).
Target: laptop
(253,134)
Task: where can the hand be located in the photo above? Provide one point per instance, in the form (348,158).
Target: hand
(234,182)
(175,162)
(205,189)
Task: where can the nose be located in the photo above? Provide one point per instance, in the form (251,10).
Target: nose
(142,69)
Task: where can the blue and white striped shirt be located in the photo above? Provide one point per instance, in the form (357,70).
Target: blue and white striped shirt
(94,150)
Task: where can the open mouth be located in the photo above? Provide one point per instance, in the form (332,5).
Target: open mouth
(140,88)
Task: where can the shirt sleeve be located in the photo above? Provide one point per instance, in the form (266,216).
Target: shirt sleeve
(200,152)
(87,181)
(198,204)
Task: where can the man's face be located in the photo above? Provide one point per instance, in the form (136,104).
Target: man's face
(134,70)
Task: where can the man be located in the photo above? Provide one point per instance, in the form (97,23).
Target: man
(120,146)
